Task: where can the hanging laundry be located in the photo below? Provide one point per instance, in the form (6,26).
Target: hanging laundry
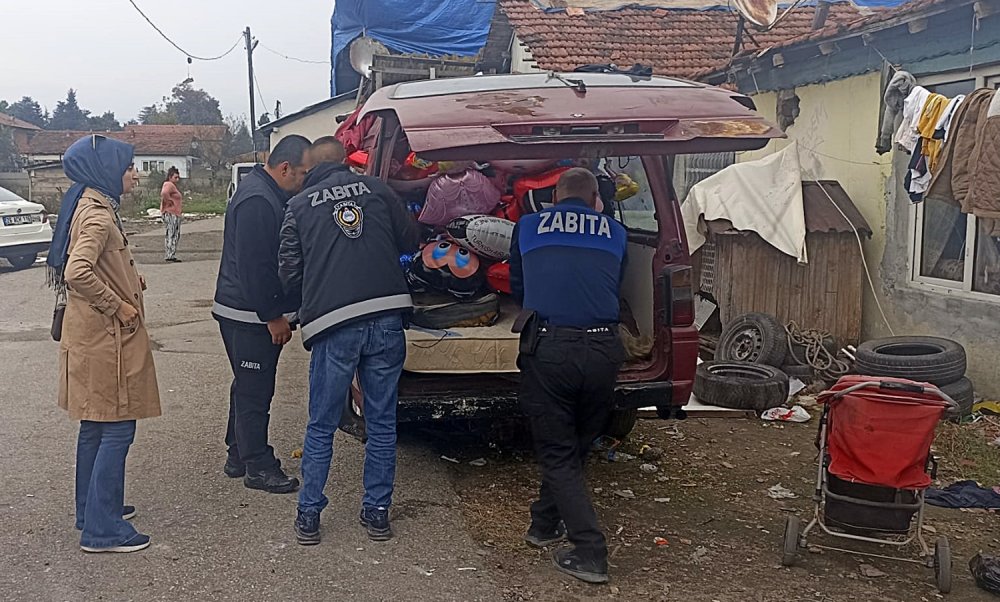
(926,125)
(918,177)
(944,124)
(913,107)
(951,180)
(984,184)
(899,88)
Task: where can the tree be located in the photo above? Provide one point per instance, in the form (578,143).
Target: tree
(186,105)
(156,114)
(105,123)
(68,115)
(4,106)
(193,106)
(28,109)
(9,155)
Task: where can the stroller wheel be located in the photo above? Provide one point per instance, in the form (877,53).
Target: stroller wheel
(792,542)
(942,565)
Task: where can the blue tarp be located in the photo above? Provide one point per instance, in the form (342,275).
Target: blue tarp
(434,27)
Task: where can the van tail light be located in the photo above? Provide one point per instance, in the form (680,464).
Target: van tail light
(678,296)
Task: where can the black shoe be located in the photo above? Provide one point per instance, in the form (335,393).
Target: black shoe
(537,537)
(234,468)
(128,512)
(570,562)
(139,542)
(376,522)
(307,528)
(172,260)
(272,481)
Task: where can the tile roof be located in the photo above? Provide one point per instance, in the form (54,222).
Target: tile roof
(674,42)
(168,140)
(13,122)
(882,19)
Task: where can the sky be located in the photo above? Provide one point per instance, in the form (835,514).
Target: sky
(115,61)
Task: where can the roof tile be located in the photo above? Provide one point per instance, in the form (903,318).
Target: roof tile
(674,42)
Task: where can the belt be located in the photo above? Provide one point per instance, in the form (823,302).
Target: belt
(607,329)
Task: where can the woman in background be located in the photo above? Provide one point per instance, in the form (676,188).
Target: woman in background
(107,379)
(170,210)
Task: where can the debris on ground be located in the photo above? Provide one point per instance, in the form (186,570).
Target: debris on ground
(625,493)
(793,414)
(871,572)
(699,554)
(728,465)
(617,456)
(452,460)
(661,541)
(779,492)
(297,453)
(650,453)
(661,500)
(648,468)
(478,462)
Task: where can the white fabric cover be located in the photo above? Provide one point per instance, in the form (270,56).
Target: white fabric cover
(763,196)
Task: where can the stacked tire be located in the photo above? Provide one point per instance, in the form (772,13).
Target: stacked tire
(938,361)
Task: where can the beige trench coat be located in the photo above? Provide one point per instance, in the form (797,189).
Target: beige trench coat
(106,370)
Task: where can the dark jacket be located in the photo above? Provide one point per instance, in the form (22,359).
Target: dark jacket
(248,289)
(341,242)
(567,264)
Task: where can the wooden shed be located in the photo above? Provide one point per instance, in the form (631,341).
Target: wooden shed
(743,273)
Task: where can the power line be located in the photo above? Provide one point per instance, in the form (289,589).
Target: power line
(174,44)
(292,58)
(259,93)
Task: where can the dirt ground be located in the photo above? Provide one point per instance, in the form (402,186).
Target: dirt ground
(458,525)
(708,499)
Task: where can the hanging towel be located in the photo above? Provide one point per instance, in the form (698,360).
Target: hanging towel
(927,124)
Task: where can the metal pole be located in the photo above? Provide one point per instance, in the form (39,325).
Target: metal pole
(253,111)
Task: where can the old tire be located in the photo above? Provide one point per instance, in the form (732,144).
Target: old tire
(803,373)
(621,422)
(791,541)
(923,359)
(741,385)
(23,262)
(942,565)
(756,337)
(963,392)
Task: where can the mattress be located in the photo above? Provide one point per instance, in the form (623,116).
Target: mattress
(489,349)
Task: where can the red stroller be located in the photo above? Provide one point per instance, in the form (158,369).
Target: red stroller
(874,441)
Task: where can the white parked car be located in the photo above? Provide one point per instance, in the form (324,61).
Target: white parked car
(25,230)
(240,170)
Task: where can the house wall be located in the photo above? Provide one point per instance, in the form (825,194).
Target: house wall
(836,130)
(183,164)
(521,60)
(313,126)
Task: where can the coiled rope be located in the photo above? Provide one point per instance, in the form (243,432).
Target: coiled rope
(827,365)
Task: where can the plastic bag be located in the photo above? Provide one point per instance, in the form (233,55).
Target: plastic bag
(986,570)
(454,195)
(793,414)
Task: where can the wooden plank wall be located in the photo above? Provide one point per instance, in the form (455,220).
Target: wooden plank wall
(825,294)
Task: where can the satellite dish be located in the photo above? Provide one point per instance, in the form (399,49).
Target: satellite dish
(762,13)
(363,51)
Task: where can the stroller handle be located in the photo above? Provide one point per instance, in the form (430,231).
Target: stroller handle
(910,387)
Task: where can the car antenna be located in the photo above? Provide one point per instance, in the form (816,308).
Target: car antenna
(576,84)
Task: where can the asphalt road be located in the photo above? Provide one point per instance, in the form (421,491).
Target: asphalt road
(213,539)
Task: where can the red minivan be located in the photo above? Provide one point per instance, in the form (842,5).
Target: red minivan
(624,125)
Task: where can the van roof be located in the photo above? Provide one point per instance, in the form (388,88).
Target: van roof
(540,115)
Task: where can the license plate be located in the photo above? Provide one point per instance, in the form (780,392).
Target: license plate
(16,220)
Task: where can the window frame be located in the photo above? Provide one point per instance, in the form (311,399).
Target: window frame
(985,76)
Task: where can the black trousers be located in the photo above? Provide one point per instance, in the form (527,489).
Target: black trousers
(567,392)
(254,360)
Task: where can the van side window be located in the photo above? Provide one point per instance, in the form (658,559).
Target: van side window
(635,209)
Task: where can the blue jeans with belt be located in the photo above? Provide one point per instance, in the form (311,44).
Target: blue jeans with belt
(101,450)
(375,348)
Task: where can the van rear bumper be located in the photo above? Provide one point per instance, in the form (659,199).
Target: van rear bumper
(502,402)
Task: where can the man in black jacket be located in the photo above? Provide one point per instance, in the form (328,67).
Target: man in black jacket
(253,312)
(340,247)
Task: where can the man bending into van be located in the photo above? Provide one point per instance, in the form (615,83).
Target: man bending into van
(566,267)
(340,246)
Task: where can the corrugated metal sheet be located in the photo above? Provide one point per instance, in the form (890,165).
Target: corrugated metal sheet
(822,216)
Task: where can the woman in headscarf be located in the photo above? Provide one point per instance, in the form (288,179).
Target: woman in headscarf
(107,378)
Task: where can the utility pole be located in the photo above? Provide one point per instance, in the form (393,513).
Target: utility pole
(251,44)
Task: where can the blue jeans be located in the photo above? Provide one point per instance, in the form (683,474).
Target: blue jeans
(374,348)
(100,483)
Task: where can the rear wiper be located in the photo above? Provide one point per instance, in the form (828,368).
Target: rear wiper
(576,84)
